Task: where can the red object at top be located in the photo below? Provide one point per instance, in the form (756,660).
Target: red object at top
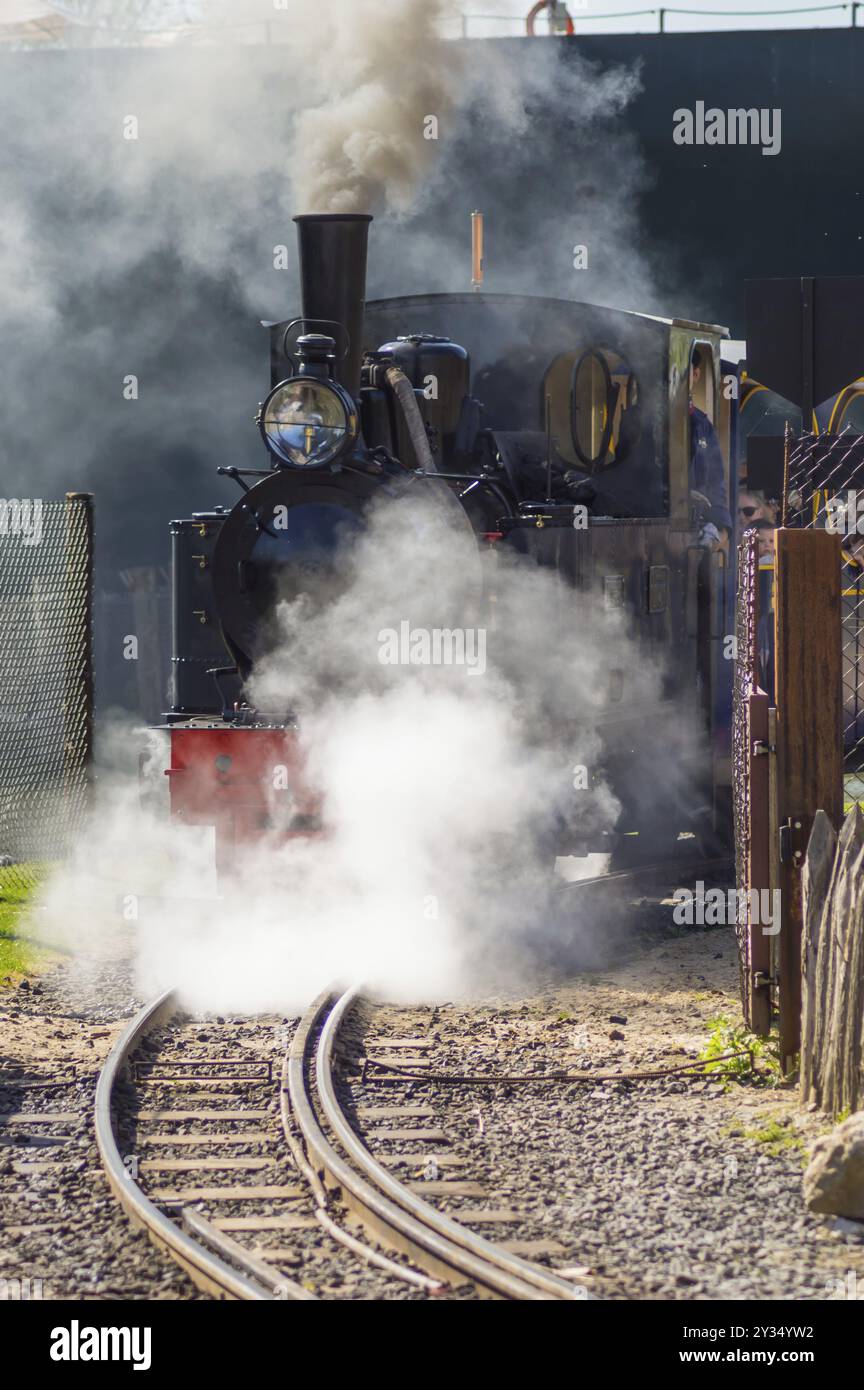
(570,27)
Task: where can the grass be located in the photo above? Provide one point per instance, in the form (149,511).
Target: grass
(778,1138)
(853,791)
(726,1036)
(19,955)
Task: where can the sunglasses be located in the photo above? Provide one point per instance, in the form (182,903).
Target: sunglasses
(748,511)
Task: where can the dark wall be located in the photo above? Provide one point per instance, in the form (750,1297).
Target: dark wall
(725,214)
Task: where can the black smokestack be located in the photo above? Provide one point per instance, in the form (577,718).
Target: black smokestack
(333,284)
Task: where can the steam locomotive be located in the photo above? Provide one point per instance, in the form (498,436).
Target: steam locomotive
(507,413)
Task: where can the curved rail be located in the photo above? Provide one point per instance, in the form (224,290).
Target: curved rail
(386,1206)
(207,1270)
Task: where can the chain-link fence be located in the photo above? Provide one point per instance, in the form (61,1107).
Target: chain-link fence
(824,489)
(749,782)
(745,665)
(46,687)
(746,680)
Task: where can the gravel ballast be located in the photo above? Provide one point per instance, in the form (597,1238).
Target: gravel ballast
(666,1189)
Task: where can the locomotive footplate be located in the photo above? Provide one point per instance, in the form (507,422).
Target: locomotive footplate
(246,780)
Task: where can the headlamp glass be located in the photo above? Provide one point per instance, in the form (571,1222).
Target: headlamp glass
(306,422)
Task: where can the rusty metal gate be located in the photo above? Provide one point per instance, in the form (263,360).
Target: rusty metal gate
(798,689)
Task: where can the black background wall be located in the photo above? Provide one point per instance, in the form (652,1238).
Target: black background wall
(734,213)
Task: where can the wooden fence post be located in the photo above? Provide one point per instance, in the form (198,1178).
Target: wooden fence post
(833,964)
(818,878)
(808,676)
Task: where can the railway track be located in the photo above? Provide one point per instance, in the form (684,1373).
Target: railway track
(248,1150)
(308,1174)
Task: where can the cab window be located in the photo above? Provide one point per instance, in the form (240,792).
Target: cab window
(703,390)
(594,406)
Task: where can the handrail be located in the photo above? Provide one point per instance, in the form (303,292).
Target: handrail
(580,13)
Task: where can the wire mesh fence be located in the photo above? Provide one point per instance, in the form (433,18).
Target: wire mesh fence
(46,689)
(745,644)
(824,489)
(747,684)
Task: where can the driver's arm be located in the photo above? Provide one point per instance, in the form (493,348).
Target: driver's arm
(715,483)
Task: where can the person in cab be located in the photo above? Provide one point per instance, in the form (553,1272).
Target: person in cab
(707,474)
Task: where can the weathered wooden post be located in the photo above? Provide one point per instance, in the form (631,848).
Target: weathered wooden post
(833,964)
(818,875)
(808,677)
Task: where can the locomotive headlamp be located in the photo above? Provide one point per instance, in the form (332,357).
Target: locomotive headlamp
(308,421)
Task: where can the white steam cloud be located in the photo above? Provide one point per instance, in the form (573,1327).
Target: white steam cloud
(440,796)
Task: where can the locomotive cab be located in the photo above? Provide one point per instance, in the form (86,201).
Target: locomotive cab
(582,460)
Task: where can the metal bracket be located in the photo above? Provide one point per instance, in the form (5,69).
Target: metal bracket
(763,981)
(760,747)
(791,837)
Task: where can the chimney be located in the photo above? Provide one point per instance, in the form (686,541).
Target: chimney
(332,250)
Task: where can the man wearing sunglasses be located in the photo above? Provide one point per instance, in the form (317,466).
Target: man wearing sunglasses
(750,510)
(707,476)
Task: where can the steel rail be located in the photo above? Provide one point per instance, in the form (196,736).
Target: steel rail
(206,1270)
(393,1213)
